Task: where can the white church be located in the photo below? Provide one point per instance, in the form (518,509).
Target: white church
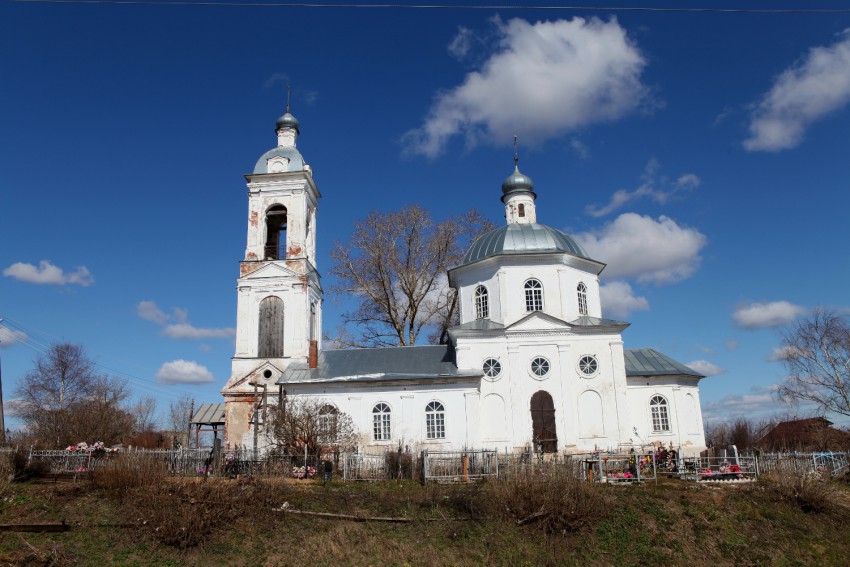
(532,364)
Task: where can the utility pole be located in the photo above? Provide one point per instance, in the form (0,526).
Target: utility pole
(2,419)
(189,426)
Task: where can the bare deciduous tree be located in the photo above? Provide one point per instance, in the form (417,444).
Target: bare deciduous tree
(816,352)
(178,418)
(301,422)
(64,400)
(144,414)
(395,266)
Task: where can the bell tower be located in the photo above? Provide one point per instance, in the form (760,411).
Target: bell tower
(279,292)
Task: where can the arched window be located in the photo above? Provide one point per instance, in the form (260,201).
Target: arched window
(482,303)
(658,409)
(435,421)
(521,210)
(381,422)
(328,416)
(270,328)
(276,233)
(533,295)
(582,298)
(543,422)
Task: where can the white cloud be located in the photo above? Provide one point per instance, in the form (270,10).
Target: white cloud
(732,344)
(658,251)
(705,367)
(759,401)
(707,350)
(619,301)
(187,331)
(766,315)
(580,148)
(47,273)
(183,372)
(782,353)
(543,80)
(461,43)
(177,324)
(807,91)
(149,311)
(660,190)
(9,337)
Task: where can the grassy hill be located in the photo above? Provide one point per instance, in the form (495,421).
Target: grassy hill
(123,519)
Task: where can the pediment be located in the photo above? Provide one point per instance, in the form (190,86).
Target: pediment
(270,270)
(257,375)
(539,321)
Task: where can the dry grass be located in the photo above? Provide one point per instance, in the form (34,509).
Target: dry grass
(813,492)
(556,502)
(127,472)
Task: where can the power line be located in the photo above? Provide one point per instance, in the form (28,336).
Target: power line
(225,4)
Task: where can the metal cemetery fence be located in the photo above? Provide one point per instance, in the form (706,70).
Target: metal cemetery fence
(454,466)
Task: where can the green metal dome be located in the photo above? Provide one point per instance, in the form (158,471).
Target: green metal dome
(517,182)
(531,238)
(287,121)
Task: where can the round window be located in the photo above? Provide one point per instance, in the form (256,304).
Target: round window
(588,365)
(539,367)
(492,367)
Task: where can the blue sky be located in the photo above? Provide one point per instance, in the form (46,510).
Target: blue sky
(703,156)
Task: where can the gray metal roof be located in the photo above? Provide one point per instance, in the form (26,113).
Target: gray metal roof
(296,162)
(479,325)
(370,364)
(209,414)
(588,321)
(518,238)
(650,362)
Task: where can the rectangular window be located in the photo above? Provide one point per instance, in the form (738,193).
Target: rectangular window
(659,418)
(435,425)
(381,426)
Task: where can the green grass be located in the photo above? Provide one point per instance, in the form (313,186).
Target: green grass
(673,523)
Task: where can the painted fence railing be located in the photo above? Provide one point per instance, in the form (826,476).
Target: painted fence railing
(459,466)
(835,464)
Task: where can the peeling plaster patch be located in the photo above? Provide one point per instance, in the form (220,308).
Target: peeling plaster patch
(294,250)
(246,268)
(254,218)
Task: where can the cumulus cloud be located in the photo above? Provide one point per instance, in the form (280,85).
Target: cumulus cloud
(766,315)
(816,85)
(183,372)
(187,331)
(661,190)
(659,251)
(618,299)
(705,367)
(760,400)
(149,311)
(47,273)
(543,80)
(9,337)
(177,326)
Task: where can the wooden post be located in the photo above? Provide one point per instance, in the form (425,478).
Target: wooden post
(465,460)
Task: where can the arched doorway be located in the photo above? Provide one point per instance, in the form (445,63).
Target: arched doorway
(543,422)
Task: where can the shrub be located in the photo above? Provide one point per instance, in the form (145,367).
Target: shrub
(125,472)
(557,502)
(184,513)
(399,464)
(812,491)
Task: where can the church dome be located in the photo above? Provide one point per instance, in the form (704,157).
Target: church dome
(291,155)
(517,182)
(287,121)
(530,238)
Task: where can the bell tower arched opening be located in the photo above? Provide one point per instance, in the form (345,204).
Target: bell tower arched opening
(276,233)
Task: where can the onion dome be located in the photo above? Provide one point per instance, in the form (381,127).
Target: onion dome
(287,121)
(517,182)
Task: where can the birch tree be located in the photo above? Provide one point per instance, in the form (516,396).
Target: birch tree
(816,352)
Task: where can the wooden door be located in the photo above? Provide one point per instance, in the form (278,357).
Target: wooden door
(543,422)
(271,328)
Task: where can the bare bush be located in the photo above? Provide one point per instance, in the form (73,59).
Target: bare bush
(557,502)
(813,491)
(129,471)
(185,514)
